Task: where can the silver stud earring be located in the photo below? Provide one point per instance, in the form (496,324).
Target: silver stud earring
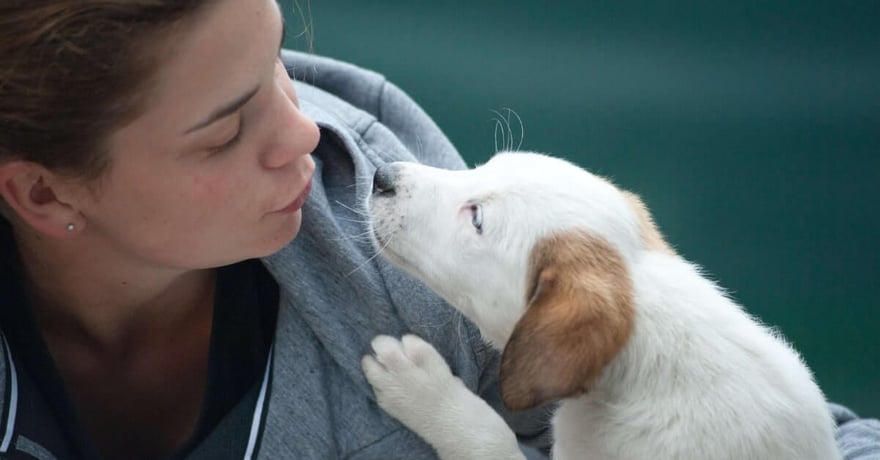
(71,227)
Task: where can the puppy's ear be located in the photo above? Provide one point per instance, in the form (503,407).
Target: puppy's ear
(579,315)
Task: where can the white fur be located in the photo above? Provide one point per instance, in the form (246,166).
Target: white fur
(413,383)
(698,379)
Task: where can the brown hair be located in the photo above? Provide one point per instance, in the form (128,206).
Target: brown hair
(71,72)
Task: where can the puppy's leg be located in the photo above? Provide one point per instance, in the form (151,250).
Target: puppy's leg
(414,384)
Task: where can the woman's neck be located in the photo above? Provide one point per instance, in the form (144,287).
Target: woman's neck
(142,332)
(97,298)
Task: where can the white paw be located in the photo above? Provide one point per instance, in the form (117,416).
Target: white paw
(414,384)
(407,375)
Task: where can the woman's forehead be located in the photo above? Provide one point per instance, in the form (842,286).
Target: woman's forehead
(216,58)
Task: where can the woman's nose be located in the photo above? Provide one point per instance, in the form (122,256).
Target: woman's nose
(296,135)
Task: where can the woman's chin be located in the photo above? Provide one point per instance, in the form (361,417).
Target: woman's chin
(286,233)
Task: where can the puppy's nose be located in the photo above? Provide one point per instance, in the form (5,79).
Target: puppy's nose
(384,179)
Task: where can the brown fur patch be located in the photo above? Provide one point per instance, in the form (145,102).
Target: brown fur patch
(651,237)
(580,314)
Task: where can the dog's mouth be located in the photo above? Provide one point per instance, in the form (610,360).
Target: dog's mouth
(382,240)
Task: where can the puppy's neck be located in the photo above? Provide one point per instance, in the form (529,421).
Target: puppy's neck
(678,313)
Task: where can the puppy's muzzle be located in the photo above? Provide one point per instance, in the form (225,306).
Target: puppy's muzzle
(385,179)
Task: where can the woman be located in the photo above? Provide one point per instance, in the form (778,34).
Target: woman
(155,160)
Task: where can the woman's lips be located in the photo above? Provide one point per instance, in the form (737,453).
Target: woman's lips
(299,201)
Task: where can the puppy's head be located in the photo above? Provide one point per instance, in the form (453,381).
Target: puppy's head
(533,249)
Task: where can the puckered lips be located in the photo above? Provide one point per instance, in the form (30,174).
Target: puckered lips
(297,202)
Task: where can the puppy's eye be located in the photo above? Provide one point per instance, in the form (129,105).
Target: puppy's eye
(477,217)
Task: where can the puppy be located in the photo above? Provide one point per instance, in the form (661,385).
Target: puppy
(569,276)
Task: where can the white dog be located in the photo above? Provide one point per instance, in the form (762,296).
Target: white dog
(570,277)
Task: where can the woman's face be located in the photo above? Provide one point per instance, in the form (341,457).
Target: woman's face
(218,167)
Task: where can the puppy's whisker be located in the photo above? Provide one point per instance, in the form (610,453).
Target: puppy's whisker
(463,340)
(358,237)
(364,236)
(419,147)
(360,212)
(504,130)
(522,129)
(361,182)
(508,145)
(356,221)
(504,125)
(370,259)
(499,134)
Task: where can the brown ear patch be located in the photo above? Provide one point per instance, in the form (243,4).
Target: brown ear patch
(579,315)
(651,237)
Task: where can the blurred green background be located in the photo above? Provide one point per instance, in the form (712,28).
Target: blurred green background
(750,128)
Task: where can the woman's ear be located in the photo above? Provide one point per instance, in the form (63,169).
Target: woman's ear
(580,315)
(29,190)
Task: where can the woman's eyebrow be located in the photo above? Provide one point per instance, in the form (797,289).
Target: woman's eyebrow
(224,111)
(233,106)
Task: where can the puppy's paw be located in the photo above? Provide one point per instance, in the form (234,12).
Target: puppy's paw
(414,384)
(409,378)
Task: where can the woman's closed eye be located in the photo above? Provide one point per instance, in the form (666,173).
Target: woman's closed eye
(230,143)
